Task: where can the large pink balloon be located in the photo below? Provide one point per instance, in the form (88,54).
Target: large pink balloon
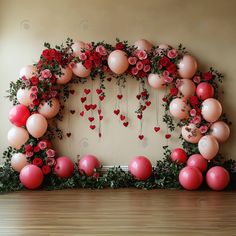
(190,178)
(31,176)
(211,109)
(187,67)
(179,155)
(18,115)
(156,81)
(65,77)
(28,71)
(191,133)
(208,147)
(80,71)
(37,125)
(18,161)
(17,136)
(143,44)
(205,90)
(88,163)
(118,62)
(140,167)
(179,108)
(198,161)
(23,96)
(77,47)
(50,108)
(220,130)
(217,178)
(187,88)
(64,167)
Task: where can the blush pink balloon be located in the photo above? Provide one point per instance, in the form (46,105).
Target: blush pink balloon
(211,110)
(187,88)
(37,125)
(208,147)
(220,130)
(80,71)
(50,108)
(18,115)
(198,161)
(205,90)
(217,178)
(156,81)
(118,62)
(31,176)
(187,67)
(163,46)
(23,96)
(191,133)
(88,163)
(64,167)
(179,108)
(140,167)
(28,71)
(18,161)
(143,44)
(65,77)
(190,178)
(17,136)
(178,155)
(77,47)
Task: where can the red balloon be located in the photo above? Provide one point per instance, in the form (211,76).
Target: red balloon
(88,163)
(31,176)
(205,90)
(140,167)
(217,178)
(179,155)
(18,115)
(64,167)
(198,161)
(190,178)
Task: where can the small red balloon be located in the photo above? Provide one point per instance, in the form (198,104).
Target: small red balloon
(88,163)
(190,178)
(64,167)
(31,176)
(198,161)
(217,178)
(18,115)
(205,90)
(179,155)
(140,167)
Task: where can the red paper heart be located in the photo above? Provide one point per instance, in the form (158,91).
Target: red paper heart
(148,103)
(68,134)
(93,106)
(156,129)
(101,97)
(144,94)
(92,126)
(117,111)
(83,99)
(91,119)
(126,124)
(98,91)
(167,136)
(122,117)
(72,91)
(87,91)
(99,111)
(81,113)
(87,107)
(72,112)
(100,117)
(138,97)
(141,137)
(144,108)
(139,116)
(120,96)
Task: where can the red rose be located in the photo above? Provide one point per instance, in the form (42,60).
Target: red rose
(97,62)
(120,46)
(172,68)
(194,101)
(28,148)
(142,74)
(145,61)
(173,91)
(46,169)
(96,56)
(37,149)
(34,80)
(36,102)
(207,76)
(37,161)
(53,79)
(164,61)
(88,64)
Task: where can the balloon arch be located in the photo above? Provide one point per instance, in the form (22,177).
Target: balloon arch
(192,101)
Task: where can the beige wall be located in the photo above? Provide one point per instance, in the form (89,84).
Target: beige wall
(207,28)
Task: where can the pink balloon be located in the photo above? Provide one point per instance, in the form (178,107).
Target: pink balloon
(156,81)
(163,46)
(23,96)
(178,155)
(18,115)
(220,130)
(18,161)
(217,178)
(88,163)
(208,147)
(187,88)
(187,67)
(31,176)
(118,62)
(198,161)
(77,47)
(37,125)
(80,71)
(205,90)
(65,77)
(50,108)
(17,136)
(179,108)
(140,167)
(143,44)
(191,133)
(64,167)
(211,109)
(28,71)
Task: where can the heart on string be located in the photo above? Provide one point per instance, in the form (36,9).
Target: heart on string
(99,111)
(126,123)
(157,129)
(167,136)
(91,119)
(72,112)
(81,113)
(141,137)
(140,116)
(101,98)
(92,126)
(148,103)
(122,117)
(120,96)
(138,97)
(72,91)
(87,107)
(109,79)
(117,111)
(68,134)
(100,117)
(87,91)
(98,91)
(83,99)
(93,106)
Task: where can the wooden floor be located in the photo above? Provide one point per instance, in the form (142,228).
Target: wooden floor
(118,212)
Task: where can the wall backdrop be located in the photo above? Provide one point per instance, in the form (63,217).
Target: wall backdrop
(205,27)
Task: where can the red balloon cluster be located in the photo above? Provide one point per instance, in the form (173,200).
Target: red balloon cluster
(88,163)
(64,167)
(18,115)
(179,155)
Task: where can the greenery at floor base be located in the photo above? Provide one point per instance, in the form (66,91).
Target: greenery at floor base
(164,176)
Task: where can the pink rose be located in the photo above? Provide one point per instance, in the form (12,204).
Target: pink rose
(197,79)
(172,53)
(139,65)
(89,46)
(141,54)
(28,148)
(27,82)
(101,50)
(54,94)
(46,74)
(33,96)
(51,161)
(178,83)
(147,68)
(134,71)
(168,79)
(34,89)
(50,153)
(29,154)
(132,60)
(83,56)
(42,145)
(203,129)
(193,112)
(196,120)
(165,73)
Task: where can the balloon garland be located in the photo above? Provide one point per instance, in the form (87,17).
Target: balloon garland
(40,92)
